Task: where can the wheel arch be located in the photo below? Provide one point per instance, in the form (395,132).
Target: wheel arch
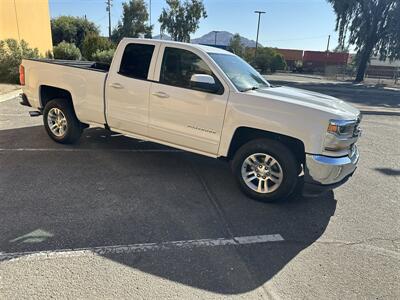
(243,135)
(48,93)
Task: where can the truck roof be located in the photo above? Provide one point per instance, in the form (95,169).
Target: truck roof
(207,49)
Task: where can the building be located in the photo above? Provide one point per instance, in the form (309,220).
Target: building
(383,68)
(292,57)
(27,20)
(313,61)
(380,68)
(318,61)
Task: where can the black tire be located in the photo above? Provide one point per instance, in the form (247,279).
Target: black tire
(73,129)
(288,165)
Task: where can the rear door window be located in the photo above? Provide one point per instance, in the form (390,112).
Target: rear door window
(136,61)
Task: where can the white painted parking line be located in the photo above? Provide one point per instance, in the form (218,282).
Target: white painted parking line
(136,248)
(87,150)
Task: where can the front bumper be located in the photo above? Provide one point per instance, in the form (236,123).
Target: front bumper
(323,173)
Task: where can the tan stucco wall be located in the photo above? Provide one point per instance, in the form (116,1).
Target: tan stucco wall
(27,20)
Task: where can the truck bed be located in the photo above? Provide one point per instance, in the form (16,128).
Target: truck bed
(83,64)
(84,81)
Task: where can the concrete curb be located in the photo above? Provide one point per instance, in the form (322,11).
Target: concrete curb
(380,112)
(377,110)
(10,95)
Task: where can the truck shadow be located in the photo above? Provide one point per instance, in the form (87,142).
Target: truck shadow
(389,171)
(95,195)
(354,94)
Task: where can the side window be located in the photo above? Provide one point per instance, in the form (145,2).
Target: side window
(136,60)
(179,65)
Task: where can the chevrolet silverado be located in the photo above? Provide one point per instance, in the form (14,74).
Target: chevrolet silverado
(204,100)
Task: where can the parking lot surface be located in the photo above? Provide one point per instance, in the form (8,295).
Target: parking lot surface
(114,217)
(365,97)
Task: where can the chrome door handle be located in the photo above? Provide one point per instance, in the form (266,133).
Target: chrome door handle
(161,95)
(116,85)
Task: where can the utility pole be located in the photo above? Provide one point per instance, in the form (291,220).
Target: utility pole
(327,52)
(108,8)
(327,46)
(258,29)
(150,12)
(215,37)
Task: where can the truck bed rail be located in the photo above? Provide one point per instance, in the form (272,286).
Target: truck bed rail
(82,64)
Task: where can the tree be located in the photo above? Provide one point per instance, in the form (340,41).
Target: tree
(93,43)
(373,26)
(341,48)
(134,19)
(72,30)
(180,20)
(268,59)
(235,44)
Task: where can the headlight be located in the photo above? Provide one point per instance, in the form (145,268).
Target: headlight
(342,128)
(341,134)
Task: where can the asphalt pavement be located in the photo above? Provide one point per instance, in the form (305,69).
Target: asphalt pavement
(114,217)
(370,99)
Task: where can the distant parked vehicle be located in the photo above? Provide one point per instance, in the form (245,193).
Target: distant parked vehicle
(204,100)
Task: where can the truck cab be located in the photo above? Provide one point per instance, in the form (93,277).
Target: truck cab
(164,103)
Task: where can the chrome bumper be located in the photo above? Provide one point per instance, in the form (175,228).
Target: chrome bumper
(330,171)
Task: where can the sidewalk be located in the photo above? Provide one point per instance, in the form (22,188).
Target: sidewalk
(9,91)
(6,88)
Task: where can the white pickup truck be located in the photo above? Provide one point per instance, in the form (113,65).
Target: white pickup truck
(204,100)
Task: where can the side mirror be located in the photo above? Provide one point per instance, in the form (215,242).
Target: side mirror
(204,82)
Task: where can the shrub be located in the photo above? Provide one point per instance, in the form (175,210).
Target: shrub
(49,54)
(11,54)
(93,43)
(104,56)
(277,63)
(66,50)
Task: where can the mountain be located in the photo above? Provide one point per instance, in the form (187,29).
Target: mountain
(164,37)
(223,39)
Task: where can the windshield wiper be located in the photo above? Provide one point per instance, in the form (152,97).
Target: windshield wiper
(251,89)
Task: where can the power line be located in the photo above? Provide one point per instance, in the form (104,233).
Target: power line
(298,39)
(102,18)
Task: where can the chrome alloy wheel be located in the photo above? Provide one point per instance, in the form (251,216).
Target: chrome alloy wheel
(57,122)
(262,173)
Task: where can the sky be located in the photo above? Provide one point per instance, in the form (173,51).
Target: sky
(291,24)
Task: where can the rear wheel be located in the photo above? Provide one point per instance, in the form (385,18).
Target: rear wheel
(60,122)
(266,170)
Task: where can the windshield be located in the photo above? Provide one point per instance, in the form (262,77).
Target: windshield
(242,75)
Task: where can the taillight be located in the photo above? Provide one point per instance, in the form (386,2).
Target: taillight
(21,75)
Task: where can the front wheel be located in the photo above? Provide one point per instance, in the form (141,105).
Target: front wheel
(61,122)
(266,170)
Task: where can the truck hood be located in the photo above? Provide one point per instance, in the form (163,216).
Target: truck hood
(308,98)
